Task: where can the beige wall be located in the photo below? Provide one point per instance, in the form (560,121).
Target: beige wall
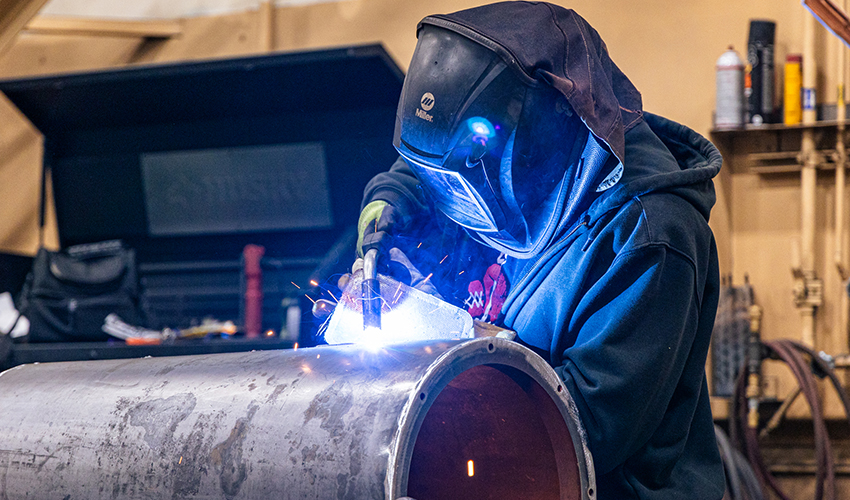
(667,48)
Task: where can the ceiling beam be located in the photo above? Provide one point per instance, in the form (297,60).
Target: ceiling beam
(104,27)
(14,15)
(831,16)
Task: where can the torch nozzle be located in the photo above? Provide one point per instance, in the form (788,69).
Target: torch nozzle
(371,291)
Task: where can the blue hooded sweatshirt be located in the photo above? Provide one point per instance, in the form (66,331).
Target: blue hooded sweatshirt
(622,302)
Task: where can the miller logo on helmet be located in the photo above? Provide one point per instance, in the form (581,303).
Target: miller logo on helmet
(427,101)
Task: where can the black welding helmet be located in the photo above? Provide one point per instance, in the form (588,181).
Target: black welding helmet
(498,152)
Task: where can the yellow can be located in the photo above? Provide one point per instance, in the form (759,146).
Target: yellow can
(792,102)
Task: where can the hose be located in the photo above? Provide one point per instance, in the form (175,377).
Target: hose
(741,481)
(746,436)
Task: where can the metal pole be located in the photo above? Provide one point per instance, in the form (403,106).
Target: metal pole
(808,180)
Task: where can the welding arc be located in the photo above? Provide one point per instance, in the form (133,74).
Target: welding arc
(792,353)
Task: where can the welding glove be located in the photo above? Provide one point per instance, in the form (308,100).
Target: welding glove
(398,267)
(379,221)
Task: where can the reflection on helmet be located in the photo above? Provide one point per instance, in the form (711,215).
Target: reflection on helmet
(496,151)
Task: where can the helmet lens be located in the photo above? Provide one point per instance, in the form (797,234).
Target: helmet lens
(454,196)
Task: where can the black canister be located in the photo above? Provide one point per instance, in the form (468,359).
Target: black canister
(760,98)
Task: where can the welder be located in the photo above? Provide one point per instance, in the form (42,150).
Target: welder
(534,190)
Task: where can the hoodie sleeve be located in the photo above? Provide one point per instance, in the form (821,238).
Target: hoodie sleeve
(634,331)
(398,187)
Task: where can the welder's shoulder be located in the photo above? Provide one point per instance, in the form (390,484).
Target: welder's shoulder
(672,221)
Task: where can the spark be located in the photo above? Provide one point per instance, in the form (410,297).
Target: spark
(295,347)
(461,272)
(444,259)
(419,245)
(318,356)
(296,286)
(270,333)
(470,468)
(314,282)
(427,277)
(397,294)
(311,300)
(181,460)
(332,295)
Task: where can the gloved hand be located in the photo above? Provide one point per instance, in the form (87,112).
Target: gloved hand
(397,267)
(378,222)
(401,269)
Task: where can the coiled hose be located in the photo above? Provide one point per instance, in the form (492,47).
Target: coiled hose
(745,435)
(741,480)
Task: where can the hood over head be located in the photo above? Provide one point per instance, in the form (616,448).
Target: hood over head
(556,45)
(514,118)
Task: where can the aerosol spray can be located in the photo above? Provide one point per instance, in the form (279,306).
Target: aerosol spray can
(729,103)
(760,59)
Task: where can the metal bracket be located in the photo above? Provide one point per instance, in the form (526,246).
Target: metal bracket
(808,289)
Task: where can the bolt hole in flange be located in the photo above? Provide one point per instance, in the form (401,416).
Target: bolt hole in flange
(493,432)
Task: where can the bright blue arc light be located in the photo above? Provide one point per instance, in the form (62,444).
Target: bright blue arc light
(481,127)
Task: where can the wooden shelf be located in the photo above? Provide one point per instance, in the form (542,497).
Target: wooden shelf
(774,148)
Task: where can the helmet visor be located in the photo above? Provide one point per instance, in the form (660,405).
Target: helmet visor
(453,195)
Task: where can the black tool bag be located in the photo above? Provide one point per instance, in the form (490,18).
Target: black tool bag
(68,294)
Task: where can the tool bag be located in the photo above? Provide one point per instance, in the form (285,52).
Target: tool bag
(69,293)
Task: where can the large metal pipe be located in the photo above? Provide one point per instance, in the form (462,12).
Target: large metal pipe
(484,418)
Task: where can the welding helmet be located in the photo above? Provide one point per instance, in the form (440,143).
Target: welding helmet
(498,152)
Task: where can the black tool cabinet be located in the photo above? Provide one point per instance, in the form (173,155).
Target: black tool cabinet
(189,162)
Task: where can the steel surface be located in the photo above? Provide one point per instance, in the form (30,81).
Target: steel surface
(333,422)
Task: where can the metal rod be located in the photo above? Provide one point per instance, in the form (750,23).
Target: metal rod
(371,291)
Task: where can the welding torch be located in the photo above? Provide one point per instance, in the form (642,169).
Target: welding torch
(371,291)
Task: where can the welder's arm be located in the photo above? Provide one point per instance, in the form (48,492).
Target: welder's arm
(392,202)
(635,331)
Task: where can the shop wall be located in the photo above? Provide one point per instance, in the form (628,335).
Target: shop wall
(668,49)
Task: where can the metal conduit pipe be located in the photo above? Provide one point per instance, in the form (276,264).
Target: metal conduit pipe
(840,160)
(840,184)
(808,293)
(484,418)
